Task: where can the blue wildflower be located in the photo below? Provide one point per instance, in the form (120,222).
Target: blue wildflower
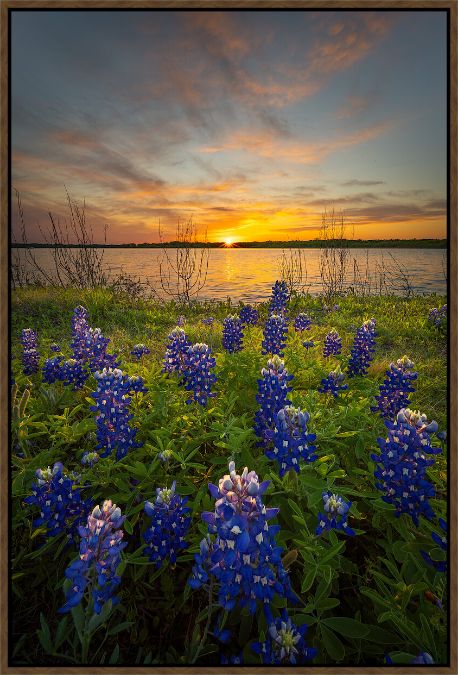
(202,563)
(402,464)
(232,660)
(30,355)
(140,350)
(335,514)
(394,392)
(232,334)
(198,362)
(279,299)
(272,396)
(290,439)
(423,658)
(181,320)
(440,540)
(208,321)
(275,332)
(169,525)
(244,557)
(363,349)
(74,373)
(438,316)
(99,557)
(302,322)
(90,458)
(89,346)
(308,344)
(175,352)
(112,408)
(52,370)
(62,508)
(332,344)
(54,347)
(249,315)
(285,643)
(332,384)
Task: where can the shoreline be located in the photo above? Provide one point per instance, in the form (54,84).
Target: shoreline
(312,244)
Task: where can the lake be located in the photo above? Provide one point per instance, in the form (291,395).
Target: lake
(248,274)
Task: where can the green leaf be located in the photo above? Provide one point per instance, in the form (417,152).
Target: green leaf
(78,620)
(44,635)
(347,434)
(114,658)
(332,644)
(128,527)
(308,580)
(347,626)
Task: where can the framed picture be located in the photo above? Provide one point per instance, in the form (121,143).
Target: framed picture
(228,403)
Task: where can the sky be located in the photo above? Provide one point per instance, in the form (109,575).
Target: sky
(250,123)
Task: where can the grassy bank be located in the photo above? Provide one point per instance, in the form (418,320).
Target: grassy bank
(362,597)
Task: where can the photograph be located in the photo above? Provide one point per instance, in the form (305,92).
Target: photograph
(229,238)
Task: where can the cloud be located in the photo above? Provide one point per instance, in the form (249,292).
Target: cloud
(267,145)
(362,183)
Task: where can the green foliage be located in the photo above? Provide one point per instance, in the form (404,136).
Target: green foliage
(361,597)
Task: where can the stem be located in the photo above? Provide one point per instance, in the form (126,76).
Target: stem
(207,625)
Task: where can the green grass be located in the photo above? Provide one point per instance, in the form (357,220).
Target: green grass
(376,581)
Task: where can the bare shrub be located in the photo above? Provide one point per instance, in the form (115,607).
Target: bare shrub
(292,268)
(183,273)
(334,253)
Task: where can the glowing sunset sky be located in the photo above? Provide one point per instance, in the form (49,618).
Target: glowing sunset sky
(251,122)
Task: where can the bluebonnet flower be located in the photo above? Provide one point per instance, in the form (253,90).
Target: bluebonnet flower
(90,458)
(55,347)
(74,373)
(285,643)
(30,355)
(197,377)
(140,350)
(99,557)
(275,332)
(332,344)
(249,315)
(440,540)
(221,634)
(302,322)
(423,658)
(243,558)
(308,344)
(175,352)
(169,525)
(89,346)
(62,508)
(232,660)
(208,321)
(232,334)
(280,296)
(166,455)
(290,439)
(363,349)
(332,384)
(202,563)
(335,514)
(181,320)
(394,392)
(272,396)
(402,464)
(112,408)
(438,316)
(52,370)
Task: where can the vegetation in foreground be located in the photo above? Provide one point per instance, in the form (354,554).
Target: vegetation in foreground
(366,598)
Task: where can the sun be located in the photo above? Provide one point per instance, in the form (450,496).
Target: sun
(228,242)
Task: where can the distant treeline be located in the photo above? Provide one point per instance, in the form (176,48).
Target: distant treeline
(310,243)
